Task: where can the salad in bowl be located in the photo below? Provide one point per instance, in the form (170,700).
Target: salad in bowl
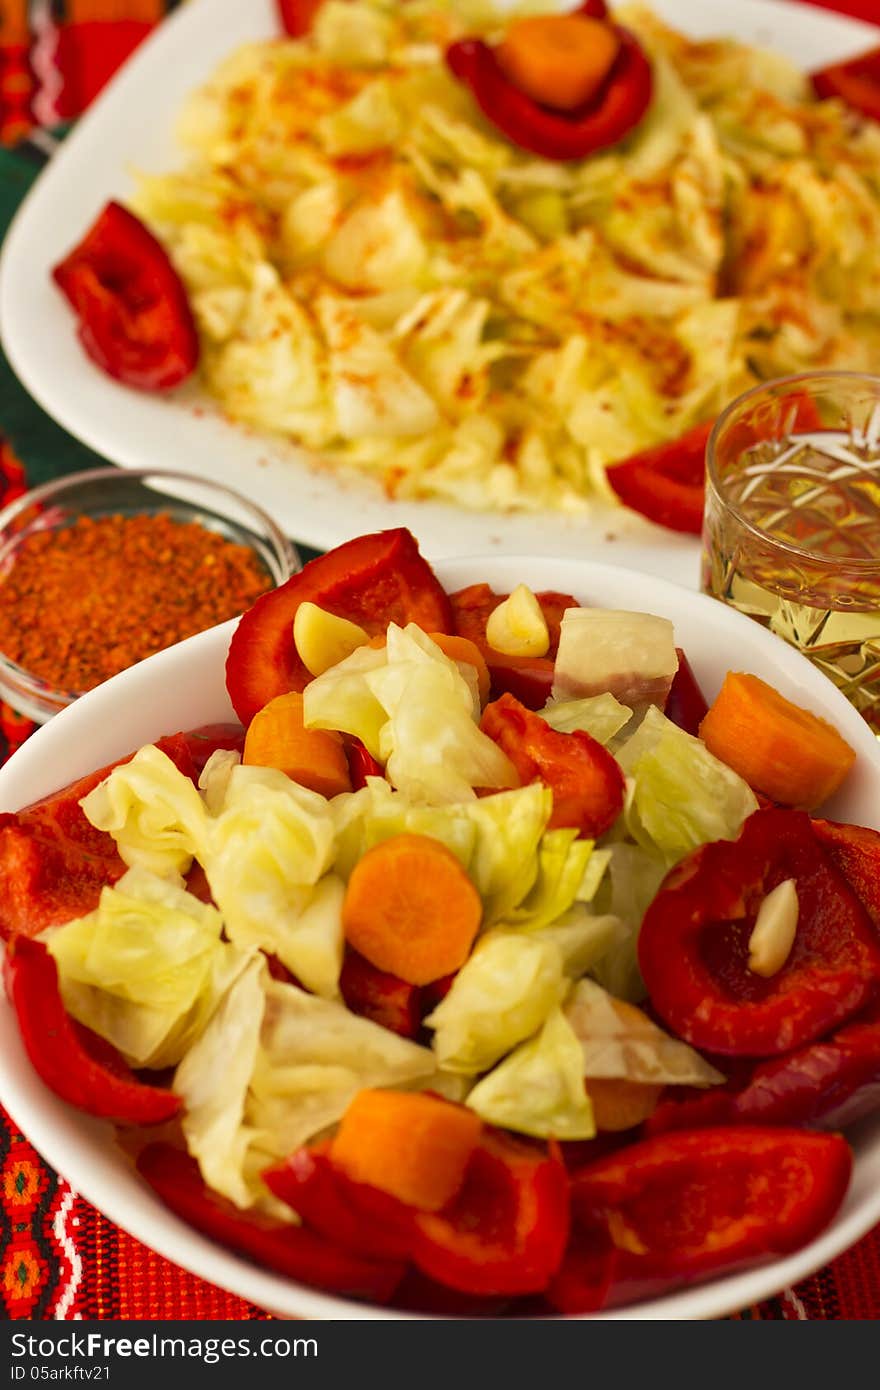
(469,954)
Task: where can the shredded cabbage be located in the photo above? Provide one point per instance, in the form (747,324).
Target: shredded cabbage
(371,263)
(539,1087)
(145,969)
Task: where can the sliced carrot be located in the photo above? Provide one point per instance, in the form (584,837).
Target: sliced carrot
(620,1104)
(558,60)
(414,1146)
(315,758)
(411,909)
(788,753)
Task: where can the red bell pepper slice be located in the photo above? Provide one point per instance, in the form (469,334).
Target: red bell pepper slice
(828,1084)
(693,945)
(298,16)
(529,678)
(361,764)
(353,1215)
(666,484)
(686,704)
(84,1071)
(209,739)
(292,1250)
(855,851)
(373,580)
(384,998)
(53,862)
(583,1280)
(134,317)
(856,82)
(587,783)
(505,1232)
(680,1207)
(620,105)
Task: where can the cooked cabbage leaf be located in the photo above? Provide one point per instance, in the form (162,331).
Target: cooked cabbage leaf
(153,812)
(539,1087)
(146,968)
(682,795)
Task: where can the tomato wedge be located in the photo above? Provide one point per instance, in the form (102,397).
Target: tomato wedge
(372,580)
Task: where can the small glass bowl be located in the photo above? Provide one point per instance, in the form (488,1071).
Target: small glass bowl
(102,492)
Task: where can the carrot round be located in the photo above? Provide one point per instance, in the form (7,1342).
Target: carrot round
(315,758)
(788,753)
(620,1104)
(558,60)
(411,909)
(415,1147)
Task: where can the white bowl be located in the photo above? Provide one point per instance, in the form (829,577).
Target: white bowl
(183,687)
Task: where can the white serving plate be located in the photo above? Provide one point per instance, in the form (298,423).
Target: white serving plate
(182,688)
(131,127)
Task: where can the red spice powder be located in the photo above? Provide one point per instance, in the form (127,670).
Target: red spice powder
(80,604)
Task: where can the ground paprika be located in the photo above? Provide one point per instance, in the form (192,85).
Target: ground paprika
(79,604)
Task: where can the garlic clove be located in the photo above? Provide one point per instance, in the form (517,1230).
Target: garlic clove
(774,931)
(517,627)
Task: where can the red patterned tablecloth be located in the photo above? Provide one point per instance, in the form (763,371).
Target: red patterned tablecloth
(59,1258)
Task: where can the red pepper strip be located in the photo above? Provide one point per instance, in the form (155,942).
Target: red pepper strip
(53,862)
(351,1214)
(506,1231)
(587,783)
(291,1250)
(686,704)
(373,580)
(95,1079)
(529,678)
(298,16)
(666,483)
(856,82)
(682,1206)
(620,105)
(693,945)
(583,1280)
(207,740)
(375,994)
(828,1084)
(593,9)
(361,764)
(134,317)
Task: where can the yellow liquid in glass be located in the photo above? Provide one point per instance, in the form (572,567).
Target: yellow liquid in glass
(820,494)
